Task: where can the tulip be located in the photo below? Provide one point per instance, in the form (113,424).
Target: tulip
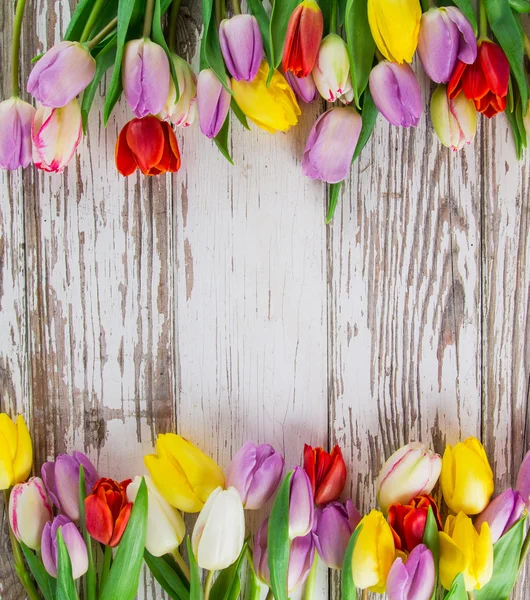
(331,144)
(183,475)
(147,144)
(411,471)
(255,471)
(183,112)
(304,88)
(523,477)
(301,509)
(332,70)
(414,579)
(16,117)
(272,107)
(467,478)
(303,37)
(61,74)
(61,479)
(242,46)
(464,550)
(454,120)
(502,513)
(108,511)
(16,451)
(445,37)
(73,541)
(408,521)
(327,473)
(334,525)
(55,135)
(219,533)
(485,81)
(145,77)
(165,525)
(373,554)
(29,511)
(213,103)
(396,93)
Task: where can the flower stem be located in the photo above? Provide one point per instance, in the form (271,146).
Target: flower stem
(107,562)
(364,595)
(182,565)
(425,5)
(333,17)
(220,9)
(310,582)
(270,595)
(172,38)
(208,584)
(109,28)
(236,7)
(471,595)
(524,551)
(483,21)
(94,14)
(148,20)
(527,45)
(15,48)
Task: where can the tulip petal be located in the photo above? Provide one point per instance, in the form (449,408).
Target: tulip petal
(6,463)
(452,560)
(145,138)
(99,521)
(301,510)
(302,39)
(301,556)
(484,556)
(438,44)
(523,477)
(67,485)
(265,481)
(467,49)
(76,549)
(241,45)
(495,67)
(48,550)
(24,457)
(29,511)
(120,524)
(213,103)
(335,480)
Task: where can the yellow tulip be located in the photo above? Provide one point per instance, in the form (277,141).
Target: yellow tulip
(16,452)
(395,25)
(183,474)
(273,107)
(464,550)
(373,554)
(467,478)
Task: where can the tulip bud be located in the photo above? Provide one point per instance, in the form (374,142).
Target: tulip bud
(334,525)
(414,579)
(408,521)
(107,511)
(16,451)
(255,471)
(303,87)
(332,70)
(396,93)
(302,39)
(61,74)
(73,541)
(502,513)
(411,471)
(301,509)
(183,112)
(523,477)
(29,511)
(242,46)
(219,532)
(326,471)
(16,117)
(213,103)
(165,525)
(454,119)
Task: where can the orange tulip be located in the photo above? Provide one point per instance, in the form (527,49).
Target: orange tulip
(108,511)
(302,41)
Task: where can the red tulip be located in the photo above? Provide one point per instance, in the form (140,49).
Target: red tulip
(303,37)
(149,145)
(485,81)
(407,521)
(108,511)
(327,473)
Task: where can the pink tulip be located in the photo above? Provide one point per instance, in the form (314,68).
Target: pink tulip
(502,513)
(242,46)
(413,579)
(523,479)
(16,117)
(303,87)
(73,541)
(29,511)
(301,507)
(213,103)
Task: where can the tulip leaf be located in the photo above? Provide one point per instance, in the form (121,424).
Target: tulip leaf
(45,582)
(158,37)
(167,577)
(432,540)
(221,140)
(514,113)
(196,592)
(108,12)
(333,200)
(239,114)
(211,55)
(91,572)
(466,6)
(347,585)
(227,586)
(66,589)
(78,20)
(122,582)
(256,9)
(458,589)
(281,13)
(520,6)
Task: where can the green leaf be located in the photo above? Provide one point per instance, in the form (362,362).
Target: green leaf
(333,195)
(256,9)
(45,582)
(227,586)
(458,589)
(432,541)
(158,36)
(241,117)
(369,117)
(196,592)
(168,578)
(78,20)
(281,13)
(466,6)
(108,12)
(66,589)
(211,55)
(221,140)
(90,577)
(520,6)
(347,585)
(122,582)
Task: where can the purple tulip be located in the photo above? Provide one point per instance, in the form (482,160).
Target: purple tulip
(145,77)
(332,530)
(445,37)
(213,103)
(331,143)
(255,471)
(61,479)
(303,87)
(61,74)
(413,580)
(16,117)
(74,544)
(396,93)
(523,479)
(301,507)
(502,513)
(242,46)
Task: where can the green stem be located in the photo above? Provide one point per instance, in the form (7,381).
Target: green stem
(270,595)
(333,17)
(524,551)
(109,28)
(148,20)
(379,56)
(15,47)
(425,5)
(364,595)
(471,595)
(483,21)
(172,38)
(527,45)
(107,562)
(220,10)
(94,14)
(236,7)
(182,565)
(311,579)
(208,584)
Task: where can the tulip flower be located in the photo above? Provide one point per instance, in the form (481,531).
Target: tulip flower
(464,550)
(408,521)
(396,93)
(73,541)
(327,473)
(414,579)
(485,81)
(147,144)
(272,107)
(331,144)
(454,119)
(16,451)
(165,525)
(55,135)
(502,513)
(411,471)
(332,70)
(183,112)
(145,77)
(242,46)
(467,478)
(301,509)
(523,477)
(183,475)
(61,74)
(255,471)
(29,511)
(373,554)
(303,37)
(16,117)
(219,533)
(108,511)
(304,88)
(213,103)
(445,37)
(334,525)
(61,479)
(395,25)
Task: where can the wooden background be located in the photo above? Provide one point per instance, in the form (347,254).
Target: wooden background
(216,302)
